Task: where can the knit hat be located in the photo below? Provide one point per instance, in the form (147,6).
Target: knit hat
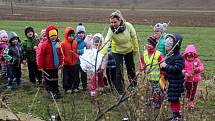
(160,27)
(28,29)
(117,13)
(80,28)
(98,38)
(52,32)
(43,32)
(169,42)
(3,33)
(152,40)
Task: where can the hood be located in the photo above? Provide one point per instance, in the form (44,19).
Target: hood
(177,40)
(11,36)
(66,31)
(190,49)
(49,28)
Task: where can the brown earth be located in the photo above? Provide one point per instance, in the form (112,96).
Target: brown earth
(138,16)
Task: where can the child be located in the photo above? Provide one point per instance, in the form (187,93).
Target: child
(173,67)
(50,60)
(159,32)
(151,56)
(192,70)
(70,64)
(97,42)
(13,55)
(42,39)
(80,36)
(110,69)
(29,47)
(3,45)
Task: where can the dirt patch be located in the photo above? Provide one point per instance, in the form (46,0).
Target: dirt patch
(6,115)
(137,16)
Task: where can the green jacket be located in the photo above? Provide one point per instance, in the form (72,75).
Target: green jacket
(29,49)
(161,44)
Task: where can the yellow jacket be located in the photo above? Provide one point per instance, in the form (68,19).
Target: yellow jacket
(122,43)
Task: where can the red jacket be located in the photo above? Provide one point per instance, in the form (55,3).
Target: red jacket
(70,50)
(45,57)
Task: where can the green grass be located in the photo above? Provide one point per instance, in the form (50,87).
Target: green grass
(78,106)
(201,37)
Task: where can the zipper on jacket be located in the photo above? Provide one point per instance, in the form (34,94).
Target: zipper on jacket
(18,54)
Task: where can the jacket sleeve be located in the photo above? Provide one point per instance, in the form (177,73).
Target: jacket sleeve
(41,57)
(81,51)
(7,56)
(199,67)
(134,39)
(177,65)
(24,50)
(107,41)
(60,55)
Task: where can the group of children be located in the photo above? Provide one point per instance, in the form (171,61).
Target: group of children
(47,55)
(163,59)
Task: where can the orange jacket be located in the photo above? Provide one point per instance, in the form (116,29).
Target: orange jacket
(70,49)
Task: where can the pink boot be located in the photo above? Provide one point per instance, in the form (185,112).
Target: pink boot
(92,93)
(191,104)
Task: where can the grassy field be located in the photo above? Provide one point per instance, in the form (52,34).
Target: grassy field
(78,107)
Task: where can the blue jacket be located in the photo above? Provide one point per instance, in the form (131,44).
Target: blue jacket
(174,75)
(81,45)
(111,63)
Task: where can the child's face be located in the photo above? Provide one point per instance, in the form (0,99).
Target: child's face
(71,38)
(97,45)
(157,34)
(115,22)
(30,34)
(43,36)
(53,38)
(4,38)
(168,49)
(190,57)
(149,46)
(81,35)
(14,41)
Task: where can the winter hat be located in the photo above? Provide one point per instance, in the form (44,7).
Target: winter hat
(169,42)
(117,13)
(160,27)
(3,33)
(43,32)
(152,40)
(52,32)
(80,28)
(28,29)
(177,39)
(98,38)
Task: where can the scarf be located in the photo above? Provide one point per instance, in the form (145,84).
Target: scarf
(54,50)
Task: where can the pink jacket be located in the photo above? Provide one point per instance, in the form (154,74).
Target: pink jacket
(191,65)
